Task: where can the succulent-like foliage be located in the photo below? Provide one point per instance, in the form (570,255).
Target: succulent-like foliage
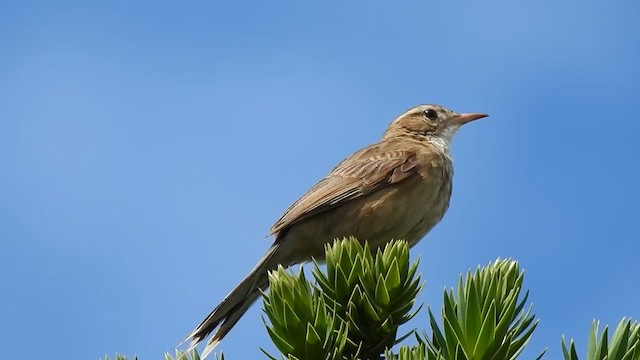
(484,319)
(302,325)
(374,295)
(624,345)
(417,352)
(353,310)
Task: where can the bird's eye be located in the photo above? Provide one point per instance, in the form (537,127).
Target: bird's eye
(430,114)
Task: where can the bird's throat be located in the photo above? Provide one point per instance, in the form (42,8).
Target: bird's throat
(440,143)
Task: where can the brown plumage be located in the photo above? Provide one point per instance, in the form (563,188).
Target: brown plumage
(398,188)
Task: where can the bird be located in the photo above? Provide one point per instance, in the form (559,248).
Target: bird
(397,188)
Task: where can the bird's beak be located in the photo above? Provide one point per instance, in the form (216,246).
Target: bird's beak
(465,118)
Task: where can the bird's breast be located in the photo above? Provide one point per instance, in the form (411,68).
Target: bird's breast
(406,210)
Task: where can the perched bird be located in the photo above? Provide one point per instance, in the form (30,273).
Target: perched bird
(398,188)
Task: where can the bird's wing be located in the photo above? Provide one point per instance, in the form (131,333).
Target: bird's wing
(362,173)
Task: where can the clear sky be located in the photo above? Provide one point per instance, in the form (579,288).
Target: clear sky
(147,147)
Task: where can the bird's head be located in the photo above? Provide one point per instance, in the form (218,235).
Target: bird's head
(431,122)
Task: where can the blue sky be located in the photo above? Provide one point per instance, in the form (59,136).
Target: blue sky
(147,147)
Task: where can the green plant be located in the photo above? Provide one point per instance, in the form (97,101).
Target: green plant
(363,299)
(302,325)
(485,318)
(353,311)
(624,345)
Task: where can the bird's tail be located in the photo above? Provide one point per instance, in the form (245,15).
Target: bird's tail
(234,305)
